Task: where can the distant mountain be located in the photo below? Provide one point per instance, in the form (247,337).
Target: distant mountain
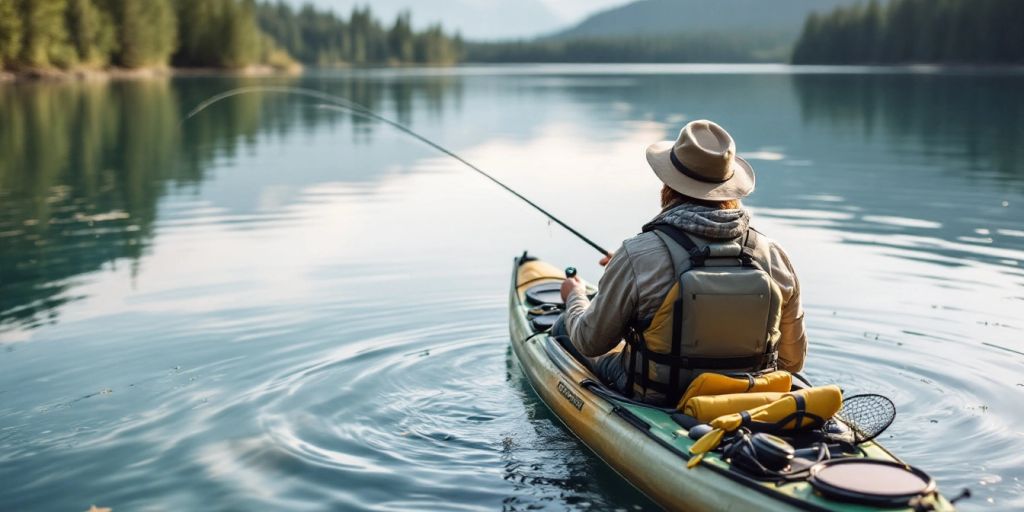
(665,17)
(670,31)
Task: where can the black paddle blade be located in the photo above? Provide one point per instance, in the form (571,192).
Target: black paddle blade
(867,415)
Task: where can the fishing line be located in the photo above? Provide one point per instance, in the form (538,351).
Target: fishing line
(344,105)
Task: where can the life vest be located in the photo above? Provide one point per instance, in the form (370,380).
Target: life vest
(721,315)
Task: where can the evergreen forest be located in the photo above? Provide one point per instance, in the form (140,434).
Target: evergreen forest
(233,34)
(40,35)
(694,47)
(982,32)
(323,39)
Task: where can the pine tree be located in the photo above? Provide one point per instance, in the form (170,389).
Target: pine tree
(45,40)
(147,34)
(871,32)
(242,35)
(10,33)
(196,30)
(806,49)
(218,33)
(897,45)
(359,28)
(401,44)
(92,32)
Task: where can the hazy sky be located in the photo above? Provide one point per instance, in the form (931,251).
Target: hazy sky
(482,19)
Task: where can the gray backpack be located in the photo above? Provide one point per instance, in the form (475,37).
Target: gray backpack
(721,315)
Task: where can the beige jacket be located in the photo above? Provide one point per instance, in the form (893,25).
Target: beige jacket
(640,275)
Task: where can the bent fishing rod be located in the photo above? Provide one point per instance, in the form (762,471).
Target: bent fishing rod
(340,104)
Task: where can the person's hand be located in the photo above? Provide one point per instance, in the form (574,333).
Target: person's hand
(570,284)
(607,258)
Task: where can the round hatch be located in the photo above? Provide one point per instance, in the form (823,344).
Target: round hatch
(870,481)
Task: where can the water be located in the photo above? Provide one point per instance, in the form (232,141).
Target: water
(276,306)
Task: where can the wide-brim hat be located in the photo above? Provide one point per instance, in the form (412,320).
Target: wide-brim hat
(702,163)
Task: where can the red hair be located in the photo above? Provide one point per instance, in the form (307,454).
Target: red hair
(669,197)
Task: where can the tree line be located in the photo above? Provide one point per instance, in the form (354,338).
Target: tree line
(656,48)
(72,34)
(322,38)
(916,31)
(67,34)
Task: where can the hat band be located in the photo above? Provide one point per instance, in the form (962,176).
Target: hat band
(689,173)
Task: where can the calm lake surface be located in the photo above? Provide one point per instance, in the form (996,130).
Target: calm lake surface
(282,307)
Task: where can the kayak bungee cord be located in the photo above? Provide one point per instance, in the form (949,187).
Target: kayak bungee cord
(344,105)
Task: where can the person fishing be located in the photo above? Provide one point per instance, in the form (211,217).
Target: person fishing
(698,290)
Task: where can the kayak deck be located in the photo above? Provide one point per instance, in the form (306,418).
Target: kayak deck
(642,443)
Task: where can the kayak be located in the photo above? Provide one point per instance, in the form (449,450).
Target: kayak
(649,446)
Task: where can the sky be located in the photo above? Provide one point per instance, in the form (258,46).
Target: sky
(481,19)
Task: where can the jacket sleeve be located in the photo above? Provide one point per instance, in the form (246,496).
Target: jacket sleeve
(793,343)
(596,327)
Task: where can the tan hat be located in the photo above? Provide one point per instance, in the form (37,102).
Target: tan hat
(702,163)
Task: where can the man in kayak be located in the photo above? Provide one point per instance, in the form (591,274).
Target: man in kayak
(698,290)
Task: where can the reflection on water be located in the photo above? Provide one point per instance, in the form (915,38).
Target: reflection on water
(962,130)
(277,306)
(70,204)
(979,118)
(84,167)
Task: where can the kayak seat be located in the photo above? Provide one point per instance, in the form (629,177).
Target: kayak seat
(544,322)
(545,293)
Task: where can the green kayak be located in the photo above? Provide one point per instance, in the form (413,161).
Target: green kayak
(649,446)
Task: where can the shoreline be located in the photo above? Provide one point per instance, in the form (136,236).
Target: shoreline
(114,73)
(38,75)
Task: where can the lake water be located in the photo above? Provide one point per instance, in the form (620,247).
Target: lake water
(278,306)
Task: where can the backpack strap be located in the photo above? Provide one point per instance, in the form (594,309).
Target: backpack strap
(636,345)
(747,255)
(755,253)
(686,255)
(680,258)
(694,254)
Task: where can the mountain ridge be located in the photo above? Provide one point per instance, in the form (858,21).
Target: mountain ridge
(648,18)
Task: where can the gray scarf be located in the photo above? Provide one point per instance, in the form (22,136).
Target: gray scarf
(704,222)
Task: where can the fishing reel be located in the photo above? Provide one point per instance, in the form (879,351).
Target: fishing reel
(760,454)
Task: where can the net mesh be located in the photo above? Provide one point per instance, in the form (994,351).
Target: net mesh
(867,416)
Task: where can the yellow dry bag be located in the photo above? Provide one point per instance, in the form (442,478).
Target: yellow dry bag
(707,408)
(794,411)
(710,384)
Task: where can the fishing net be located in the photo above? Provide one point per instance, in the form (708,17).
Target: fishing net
(867,416)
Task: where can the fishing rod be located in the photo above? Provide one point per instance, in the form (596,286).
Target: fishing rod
(344,105)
